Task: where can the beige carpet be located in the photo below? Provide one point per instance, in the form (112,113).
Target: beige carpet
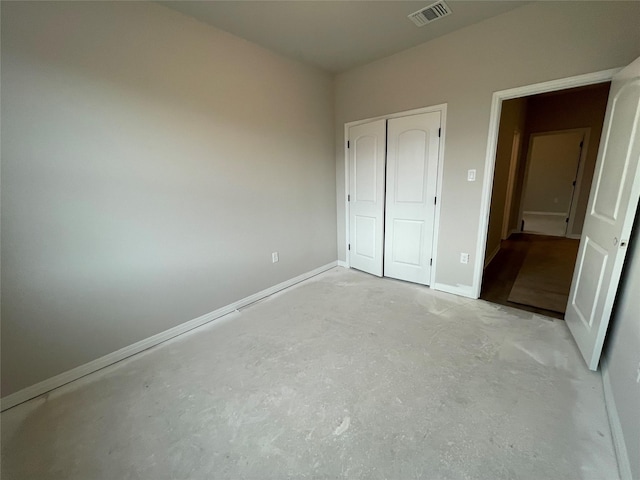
(544,280)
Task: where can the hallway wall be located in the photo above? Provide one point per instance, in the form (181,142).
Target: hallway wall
(512,120)
(582,107)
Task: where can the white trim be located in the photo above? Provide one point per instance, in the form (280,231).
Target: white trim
(111,358)
(343,264)
(574,236)
(461,290)
(347,238)
(436,218)
(624,464)
(442,108)
(405,113)
(552,214)
(494,123)
(492,256)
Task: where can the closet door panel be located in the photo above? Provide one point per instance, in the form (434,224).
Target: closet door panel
(412,167)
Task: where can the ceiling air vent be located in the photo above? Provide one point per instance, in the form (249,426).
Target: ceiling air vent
(429,14)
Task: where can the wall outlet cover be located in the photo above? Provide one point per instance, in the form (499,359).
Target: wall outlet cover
(471,175)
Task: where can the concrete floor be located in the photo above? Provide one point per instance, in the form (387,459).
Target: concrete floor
(343,376)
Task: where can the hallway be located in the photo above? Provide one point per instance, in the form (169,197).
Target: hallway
(540,267)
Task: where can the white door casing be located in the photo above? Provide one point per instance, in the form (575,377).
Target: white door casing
(610,213)
(412,168)
(366,190)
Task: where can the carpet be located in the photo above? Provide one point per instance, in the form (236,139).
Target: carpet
(544,280)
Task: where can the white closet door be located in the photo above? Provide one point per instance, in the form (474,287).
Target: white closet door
(366,190)
(412,168)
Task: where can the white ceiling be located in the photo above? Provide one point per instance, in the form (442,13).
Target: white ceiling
(336,35)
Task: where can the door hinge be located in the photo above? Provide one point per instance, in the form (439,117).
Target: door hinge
(439,132)
(348,144)
(348,198)
(349,247)
(431,262)
(566,220)
(435,200)
(581,144)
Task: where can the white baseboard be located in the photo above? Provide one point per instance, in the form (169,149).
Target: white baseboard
(461,290)
(546,214)
(574,236)
(492,256)
(111,358)
(624,465)
(343,264)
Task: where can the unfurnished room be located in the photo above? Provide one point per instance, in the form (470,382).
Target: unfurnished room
(320,239)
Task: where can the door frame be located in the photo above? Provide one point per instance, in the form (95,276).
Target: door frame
(516,145)
(442,108)
(492,143)
(586,132)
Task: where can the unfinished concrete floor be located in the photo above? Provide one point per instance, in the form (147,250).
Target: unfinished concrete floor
(343,376)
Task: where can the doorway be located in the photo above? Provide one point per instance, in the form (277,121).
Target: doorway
(532,246)
(612,204)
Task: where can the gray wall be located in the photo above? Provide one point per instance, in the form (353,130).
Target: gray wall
(539,42)
(622,351)
(150,165)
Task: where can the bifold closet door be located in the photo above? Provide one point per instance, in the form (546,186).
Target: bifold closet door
(366,190)
(413,144)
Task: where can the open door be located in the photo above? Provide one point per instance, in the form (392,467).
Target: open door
(610,213)
(366,202)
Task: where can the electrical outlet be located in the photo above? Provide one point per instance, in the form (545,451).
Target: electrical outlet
(274,257)
(471,175)
(464,258)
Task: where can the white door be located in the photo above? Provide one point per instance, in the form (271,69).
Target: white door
(552,169)
(366,196)
(610,213)
(412,166)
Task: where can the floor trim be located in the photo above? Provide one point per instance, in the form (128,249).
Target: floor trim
(93,366)
(624,465)
(343,264)
(462,290)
